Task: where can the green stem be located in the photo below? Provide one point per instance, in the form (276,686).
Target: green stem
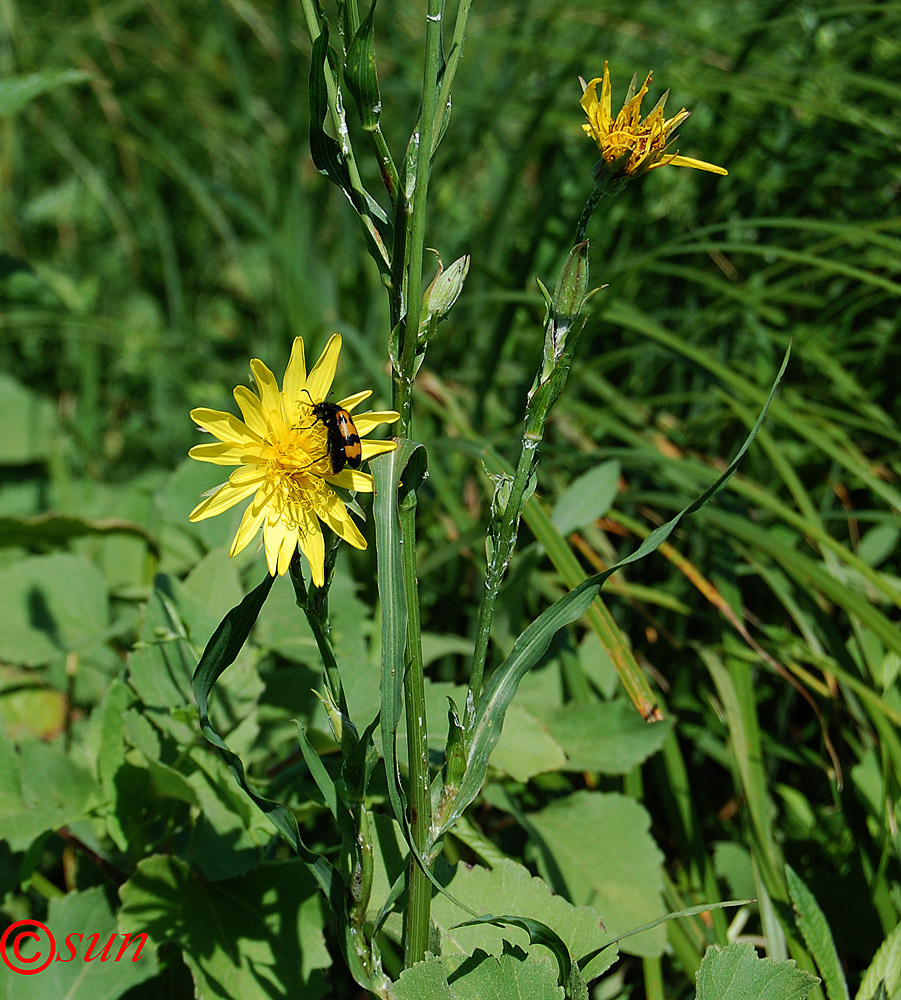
(406,307)
(413,249)
(416,932)
(497,565)
(587,212)
(453,60)
(386,164)
(314,604)
(339,122)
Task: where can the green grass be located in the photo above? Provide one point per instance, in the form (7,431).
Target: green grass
(162,223)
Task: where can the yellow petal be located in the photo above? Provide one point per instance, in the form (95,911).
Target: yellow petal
(270,397)
(219,454)
(350,403)
(296,373)
(688,161)
(274,532)
(352,479)
(286,552)
(224,426)
(336,516)
(251,410)
(373,448)
(249,474)
(589,97)
(222,500)
(320,379)
(606,93)
(250,525)
(312,545)
(365,422)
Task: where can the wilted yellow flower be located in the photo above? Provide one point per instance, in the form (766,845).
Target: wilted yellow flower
(282,448)
(633,145)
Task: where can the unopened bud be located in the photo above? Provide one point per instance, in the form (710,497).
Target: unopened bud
(441,295)
(572,285)
(445,289)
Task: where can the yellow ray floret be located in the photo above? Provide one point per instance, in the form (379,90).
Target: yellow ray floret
(634,145)
(281,448)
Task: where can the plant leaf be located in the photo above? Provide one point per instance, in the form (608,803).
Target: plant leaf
(736,973)
(817,935)
(884,970)
(18,91)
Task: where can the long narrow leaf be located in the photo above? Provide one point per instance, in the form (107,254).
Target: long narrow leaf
(386,473)
(817,936)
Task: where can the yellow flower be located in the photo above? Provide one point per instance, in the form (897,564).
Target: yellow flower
(281,449)
(634,146)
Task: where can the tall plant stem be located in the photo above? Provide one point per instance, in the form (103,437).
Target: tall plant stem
(416,931)
(497,565)
(416,210)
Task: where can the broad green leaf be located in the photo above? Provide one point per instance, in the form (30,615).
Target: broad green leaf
(733,864)
(426,980)
(817,936)
(215,582)
(884,970)
(17,92)
(28,707)
(73,920)
(595,848)
(45,788)
(539,933)
(250,937)
(526,746)
(484,977)
(736,973)
(54,530)
(229,834)
(510,888)
(587,498)
(609,737)
(172,626)
(50,606)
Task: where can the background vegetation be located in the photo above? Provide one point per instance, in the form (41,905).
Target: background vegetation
(161,223)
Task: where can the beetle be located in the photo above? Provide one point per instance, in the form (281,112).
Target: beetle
(342,439)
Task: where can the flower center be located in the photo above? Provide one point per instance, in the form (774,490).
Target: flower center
(297,465)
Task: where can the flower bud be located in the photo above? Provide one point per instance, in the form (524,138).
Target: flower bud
(441,295)
(572,285)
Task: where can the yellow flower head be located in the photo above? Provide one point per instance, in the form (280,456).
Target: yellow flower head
(632,145)
(281,448)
